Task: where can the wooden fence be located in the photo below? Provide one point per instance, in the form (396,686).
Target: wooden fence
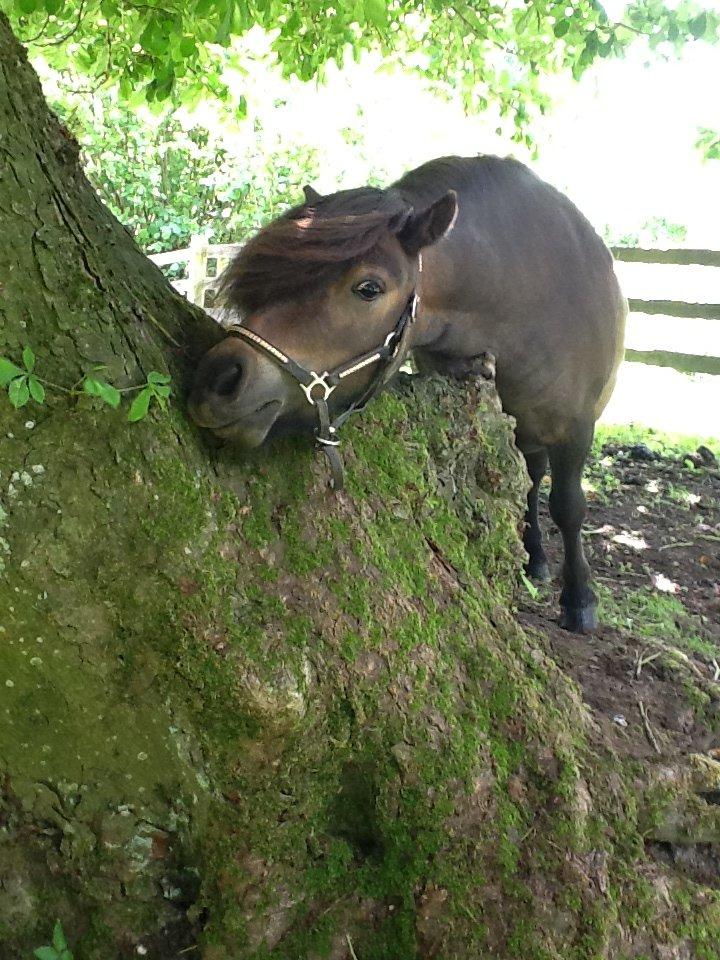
(688,310)
(205,263)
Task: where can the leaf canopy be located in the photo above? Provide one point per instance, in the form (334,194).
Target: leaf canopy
(177,49)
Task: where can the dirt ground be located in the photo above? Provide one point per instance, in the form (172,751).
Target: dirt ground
(653,542)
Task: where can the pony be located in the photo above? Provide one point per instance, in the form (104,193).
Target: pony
(460,258)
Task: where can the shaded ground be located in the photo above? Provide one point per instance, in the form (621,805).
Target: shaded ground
(653,541)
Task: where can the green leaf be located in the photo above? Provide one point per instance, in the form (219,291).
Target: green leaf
(140,405)
(46,953)
(529,586)
(19,392)
(28,359)
(8,371)
(698,26)
(376,12)
(162,391)
(59,941)
(105,391)
(109,394)
(561,28)
(223,30)
(155,377)
(28,6)
(37,390)
(187,46)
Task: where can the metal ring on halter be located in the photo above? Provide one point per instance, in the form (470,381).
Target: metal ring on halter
(317,381)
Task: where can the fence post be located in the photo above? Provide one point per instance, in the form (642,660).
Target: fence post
(197,268)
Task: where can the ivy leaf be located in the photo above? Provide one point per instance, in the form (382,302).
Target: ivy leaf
(28,359)
(8,371)
(37,390)
(140,405)
(19,392)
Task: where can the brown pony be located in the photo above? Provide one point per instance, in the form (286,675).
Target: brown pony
(509,267)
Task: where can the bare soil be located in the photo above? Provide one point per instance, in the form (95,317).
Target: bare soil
(653,542)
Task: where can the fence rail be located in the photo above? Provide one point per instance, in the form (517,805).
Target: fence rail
(682,256)
(206,261)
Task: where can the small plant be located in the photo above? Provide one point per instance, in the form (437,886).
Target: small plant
(157,388)
(529,585)
(23,384)
(59,949)
(104,391)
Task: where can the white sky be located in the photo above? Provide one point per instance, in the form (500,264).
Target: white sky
(620,142)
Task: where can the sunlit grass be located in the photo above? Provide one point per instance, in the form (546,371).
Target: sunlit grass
(666,444)
(660,616)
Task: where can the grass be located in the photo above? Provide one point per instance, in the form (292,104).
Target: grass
(644,610)
(654,615)
(667,444)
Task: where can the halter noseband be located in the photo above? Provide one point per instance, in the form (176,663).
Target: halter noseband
(391,353)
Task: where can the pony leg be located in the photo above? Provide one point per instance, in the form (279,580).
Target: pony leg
(537,565)
(568,509)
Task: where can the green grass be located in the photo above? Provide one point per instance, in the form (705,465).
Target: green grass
(667,444)
(654,615)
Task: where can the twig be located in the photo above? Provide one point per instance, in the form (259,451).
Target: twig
(709,536)
(680,543)
(716,667)
(648,729)
(642,661)
(40,33)
(56,41)
(350,945)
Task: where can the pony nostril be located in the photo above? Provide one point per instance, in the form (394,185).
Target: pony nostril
(227,382)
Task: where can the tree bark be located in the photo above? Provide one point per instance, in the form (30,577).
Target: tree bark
(243,718)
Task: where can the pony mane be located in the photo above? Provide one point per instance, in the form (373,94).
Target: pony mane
(309,246)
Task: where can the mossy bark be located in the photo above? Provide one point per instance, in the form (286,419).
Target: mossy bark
(248,717)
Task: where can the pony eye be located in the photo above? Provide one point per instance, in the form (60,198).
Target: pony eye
(368,290)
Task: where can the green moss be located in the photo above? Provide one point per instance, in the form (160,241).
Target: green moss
(359,741)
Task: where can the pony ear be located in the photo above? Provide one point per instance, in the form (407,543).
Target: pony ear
(429,226)
(311,195)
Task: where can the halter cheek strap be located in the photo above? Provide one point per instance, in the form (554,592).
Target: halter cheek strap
(318,387)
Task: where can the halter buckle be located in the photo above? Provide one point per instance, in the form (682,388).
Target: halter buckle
(317,381)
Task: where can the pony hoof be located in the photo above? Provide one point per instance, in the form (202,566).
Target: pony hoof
(539,571)
(579,619)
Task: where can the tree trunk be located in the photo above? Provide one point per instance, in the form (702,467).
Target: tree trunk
(244,718)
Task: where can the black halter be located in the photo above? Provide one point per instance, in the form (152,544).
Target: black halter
(391,354)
